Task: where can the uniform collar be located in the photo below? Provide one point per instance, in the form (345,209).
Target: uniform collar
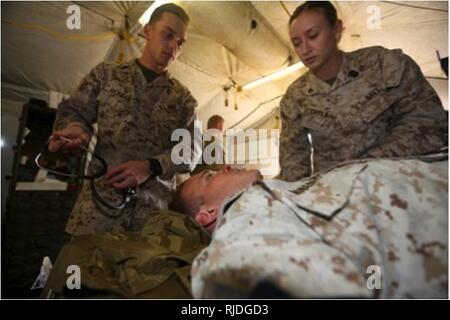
(163,80)
(315,85)
(227,204)
(229,201)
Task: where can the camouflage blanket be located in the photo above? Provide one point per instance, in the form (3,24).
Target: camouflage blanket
(367,229)
(152,263)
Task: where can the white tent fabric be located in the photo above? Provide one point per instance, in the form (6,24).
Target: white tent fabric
(229,44)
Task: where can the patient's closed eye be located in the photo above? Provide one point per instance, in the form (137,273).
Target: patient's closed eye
(210,174)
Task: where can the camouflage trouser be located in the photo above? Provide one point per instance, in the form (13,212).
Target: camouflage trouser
(152,263)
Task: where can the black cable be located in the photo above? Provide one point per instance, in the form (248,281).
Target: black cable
(129,194)
(414,6)
(101,172)
(254,110)
(285,9)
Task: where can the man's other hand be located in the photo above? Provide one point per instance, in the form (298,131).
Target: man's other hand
(128,174)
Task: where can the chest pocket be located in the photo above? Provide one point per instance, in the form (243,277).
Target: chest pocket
(386,93)
(167,120)
(329,193)
(316,118)
(377,105)
(114,101)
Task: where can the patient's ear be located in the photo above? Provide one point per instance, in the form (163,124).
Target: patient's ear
(206,214)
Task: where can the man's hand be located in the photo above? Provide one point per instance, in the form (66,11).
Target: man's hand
(128,174)
(77,136)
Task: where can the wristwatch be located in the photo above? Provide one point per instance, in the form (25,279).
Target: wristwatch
(155,168)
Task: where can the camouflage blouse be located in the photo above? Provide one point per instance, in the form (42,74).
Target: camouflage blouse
(135,121)
(380,105)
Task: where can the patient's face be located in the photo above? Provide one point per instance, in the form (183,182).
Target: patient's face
(216,186)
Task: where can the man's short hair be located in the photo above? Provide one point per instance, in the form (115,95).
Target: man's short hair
(171,8)
(214,121)
(183,205)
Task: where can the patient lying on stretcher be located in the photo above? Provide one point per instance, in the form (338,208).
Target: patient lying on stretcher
(375,229)
(365,229)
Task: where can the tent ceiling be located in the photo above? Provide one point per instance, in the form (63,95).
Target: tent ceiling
(232,42)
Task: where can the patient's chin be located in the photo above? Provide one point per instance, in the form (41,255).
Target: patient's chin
(210,227)
(257,176)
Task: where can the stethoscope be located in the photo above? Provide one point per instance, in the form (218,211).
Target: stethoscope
(129,194)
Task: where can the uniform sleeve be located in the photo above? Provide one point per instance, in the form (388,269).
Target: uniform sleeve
(188,116)
(419,123)
(294,148)
(81,107)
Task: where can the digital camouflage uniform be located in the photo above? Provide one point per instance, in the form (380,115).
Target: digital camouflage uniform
(379,105)
(135,121)
(368,229)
